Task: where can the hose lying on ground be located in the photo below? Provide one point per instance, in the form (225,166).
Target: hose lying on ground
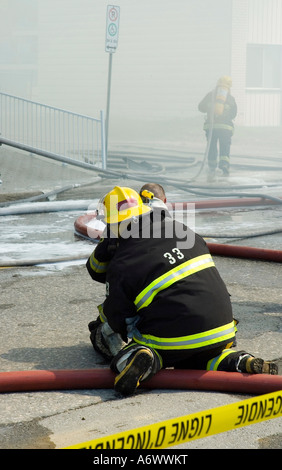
(49,194)
(248,252)
(44,207)
(35,262)
(182,185)
(169,379)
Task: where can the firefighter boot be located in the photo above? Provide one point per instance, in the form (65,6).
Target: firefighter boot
(225,171)
(224,166)
(254,365)
(134,366)
(211,175)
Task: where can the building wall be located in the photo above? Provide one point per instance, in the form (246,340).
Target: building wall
(265,18)
(18,46)
(262,95)
(170,53)
(239,29)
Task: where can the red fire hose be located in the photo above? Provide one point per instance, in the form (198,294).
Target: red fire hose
(245,252)
(81,222)
(237,251)
(173,379)
(225,202)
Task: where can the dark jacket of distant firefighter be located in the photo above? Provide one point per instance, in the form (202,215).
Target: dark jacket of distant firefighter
(220,107)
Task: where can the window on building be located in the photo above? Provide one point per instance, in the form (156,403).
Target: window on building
(264,64)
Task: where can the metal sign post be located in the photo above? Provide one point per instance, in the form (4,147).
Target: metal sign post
(112,31)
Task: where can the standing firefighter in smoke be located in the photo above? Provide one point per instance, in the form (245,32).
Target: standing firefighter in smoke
(164,294)
(221,108)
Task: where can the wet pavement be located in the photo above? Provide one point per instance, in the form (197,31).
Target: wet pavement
(45,310)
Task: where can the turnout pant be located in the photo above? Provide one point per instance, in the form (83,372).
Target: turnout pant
(219,146)
(114,350)
(218,358)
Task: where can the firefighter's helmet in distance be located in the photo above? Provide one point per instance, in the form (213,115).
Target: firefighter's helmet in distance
(225,81)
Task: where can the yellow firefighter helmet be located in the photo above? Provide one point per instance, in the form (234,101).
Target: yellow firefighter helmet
(122,204)
(225,81)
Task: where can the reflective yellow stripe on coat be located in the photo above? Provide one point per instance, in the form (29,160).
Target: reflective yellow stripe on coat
(97,266)
(219,126)
(176,274)
(199,340)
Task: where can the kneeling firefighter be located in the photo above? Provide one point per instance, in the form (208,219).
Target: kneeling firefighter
(166,304)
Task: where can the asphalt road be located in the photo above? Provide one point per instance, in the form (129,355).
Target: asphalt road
(45,311)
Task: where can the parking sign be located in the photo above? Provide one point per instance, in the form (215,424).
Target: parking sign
(112,28)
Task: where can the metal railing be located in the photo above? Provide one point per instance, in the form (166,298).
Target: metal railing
(47,130)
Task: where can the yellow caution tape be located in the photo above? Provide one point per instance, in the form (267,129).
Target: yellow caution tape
(194,426)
